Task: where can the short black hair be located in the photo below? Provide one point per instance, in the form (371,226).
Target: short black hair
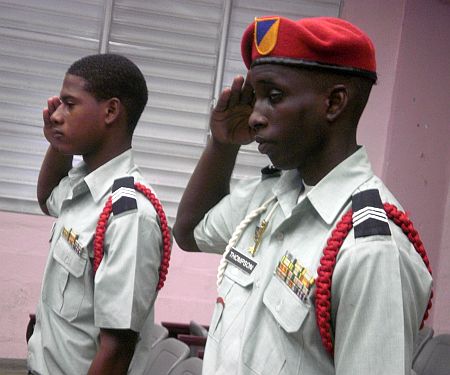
(111,75)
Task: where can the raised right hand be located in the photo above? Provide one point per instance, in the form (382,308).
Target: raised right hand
(52,104)
(229,118)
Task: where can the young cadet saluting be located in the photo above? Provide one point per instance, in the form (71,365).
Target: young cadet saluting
(92,307)
(307,85)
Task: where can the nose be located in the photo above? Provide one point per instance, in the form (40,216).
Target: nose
(57,117)
(257,120)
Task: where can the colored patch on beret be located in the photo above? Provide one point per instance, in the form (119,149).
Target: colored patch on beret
(318,42)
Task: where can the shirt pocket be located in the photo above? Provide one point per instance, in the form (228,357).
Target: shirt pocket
(288,310)
(64,286)
(273,341)
(233,294)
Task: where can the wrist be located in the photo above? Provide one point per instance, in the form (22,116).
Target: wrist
(223,147)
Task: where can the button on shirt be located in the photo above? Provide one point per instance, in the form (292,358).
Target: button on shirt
(380,285)
(69,313)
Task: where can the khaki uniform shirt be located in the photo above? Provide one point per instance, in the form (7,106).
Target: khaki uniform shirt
(380,286)
(74,305)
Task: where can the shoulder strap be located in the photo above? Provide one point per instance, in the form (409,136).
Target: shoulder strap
(120,202)
(367,219)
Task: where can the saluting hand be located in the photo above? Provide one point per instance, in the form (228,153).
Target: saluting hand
(52,104)
(229,119)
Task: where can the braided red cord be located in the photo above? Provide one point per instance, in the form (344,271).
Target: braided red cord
(323,281)
(402,220)
(328,262)
(100,233)
(165,231)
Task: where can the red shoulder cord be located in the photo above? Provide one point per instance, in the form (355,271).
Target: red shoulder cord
(328,262)
(165,231)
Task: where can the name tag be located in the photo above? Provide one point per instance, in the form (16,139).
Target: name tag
(242,262)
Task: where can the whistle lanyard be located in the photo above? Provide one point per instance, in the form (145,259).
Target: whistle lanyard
(260,229)
(240,230)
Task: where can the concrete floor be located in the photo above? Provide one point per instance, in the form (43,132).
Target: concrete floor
(13,366)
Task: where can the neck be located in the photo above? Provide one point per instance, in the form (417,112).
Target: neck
(315,170)
(94,161)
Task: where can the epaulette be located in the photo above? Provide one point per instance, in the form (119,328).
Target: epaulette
(369,217)
(123,195)
(270,171)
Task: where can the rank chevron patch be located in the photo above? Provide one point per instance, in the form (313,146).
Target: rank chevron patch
(369,217)
(123,195)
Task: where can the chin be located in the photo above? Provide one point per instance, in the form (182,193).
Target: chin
(282,166)
(63,151)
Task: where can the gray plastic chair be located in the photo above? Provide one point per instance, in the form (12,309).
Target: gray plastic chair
(424,335)
(434,358)
(165,355)
(197,329)
(157,334)
(189,366)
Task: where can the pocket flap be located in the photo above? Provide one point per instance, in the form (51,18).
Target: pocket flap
(238,276)
(288,310)
(68,259)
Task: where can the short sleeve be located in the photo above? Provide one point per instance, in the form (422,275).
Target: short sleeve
(126,280)
(216,228)
(379,295)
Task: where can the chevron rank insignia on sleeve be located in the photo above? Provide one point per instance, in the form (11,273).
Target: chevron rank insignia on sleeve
(123,195)
(369,217)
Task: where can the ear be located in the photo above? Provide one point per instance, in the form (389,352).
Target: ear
(112,110)
(337,101)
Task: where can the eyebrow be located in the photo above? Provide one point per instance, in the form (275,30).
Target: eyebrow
(265,81)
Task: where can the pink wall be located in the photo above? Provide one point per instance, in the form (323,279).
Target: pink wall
(410,149)
(413,62)
(381,20)
(417,164)
(23,251)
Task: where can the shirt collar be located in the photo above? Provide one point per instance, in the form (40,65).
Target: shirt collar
(101,180)
(332,193)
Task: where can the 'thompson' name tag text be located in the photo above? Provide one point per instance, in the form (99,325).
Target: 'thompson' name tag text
(241,261)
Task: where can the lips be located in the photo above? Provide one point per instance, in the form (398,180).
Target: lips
(263,146)
(58,135)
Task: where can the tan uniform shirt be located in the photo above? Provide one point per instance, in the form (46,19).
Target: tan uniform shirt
(73,305)
(380,286)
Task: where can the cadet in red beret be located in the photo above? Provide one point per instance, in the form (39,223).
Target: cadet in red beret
(316,277)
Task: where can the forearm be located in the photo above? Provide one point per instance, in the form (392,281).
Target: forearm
(115,352)
(209,183)
(54,167)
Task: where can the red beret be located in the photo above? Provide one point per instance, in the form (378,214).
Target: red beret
(319,42)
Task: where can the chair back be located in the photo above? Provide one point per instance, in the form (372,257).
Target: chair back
(189,366)
(434,358)
(165,355)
